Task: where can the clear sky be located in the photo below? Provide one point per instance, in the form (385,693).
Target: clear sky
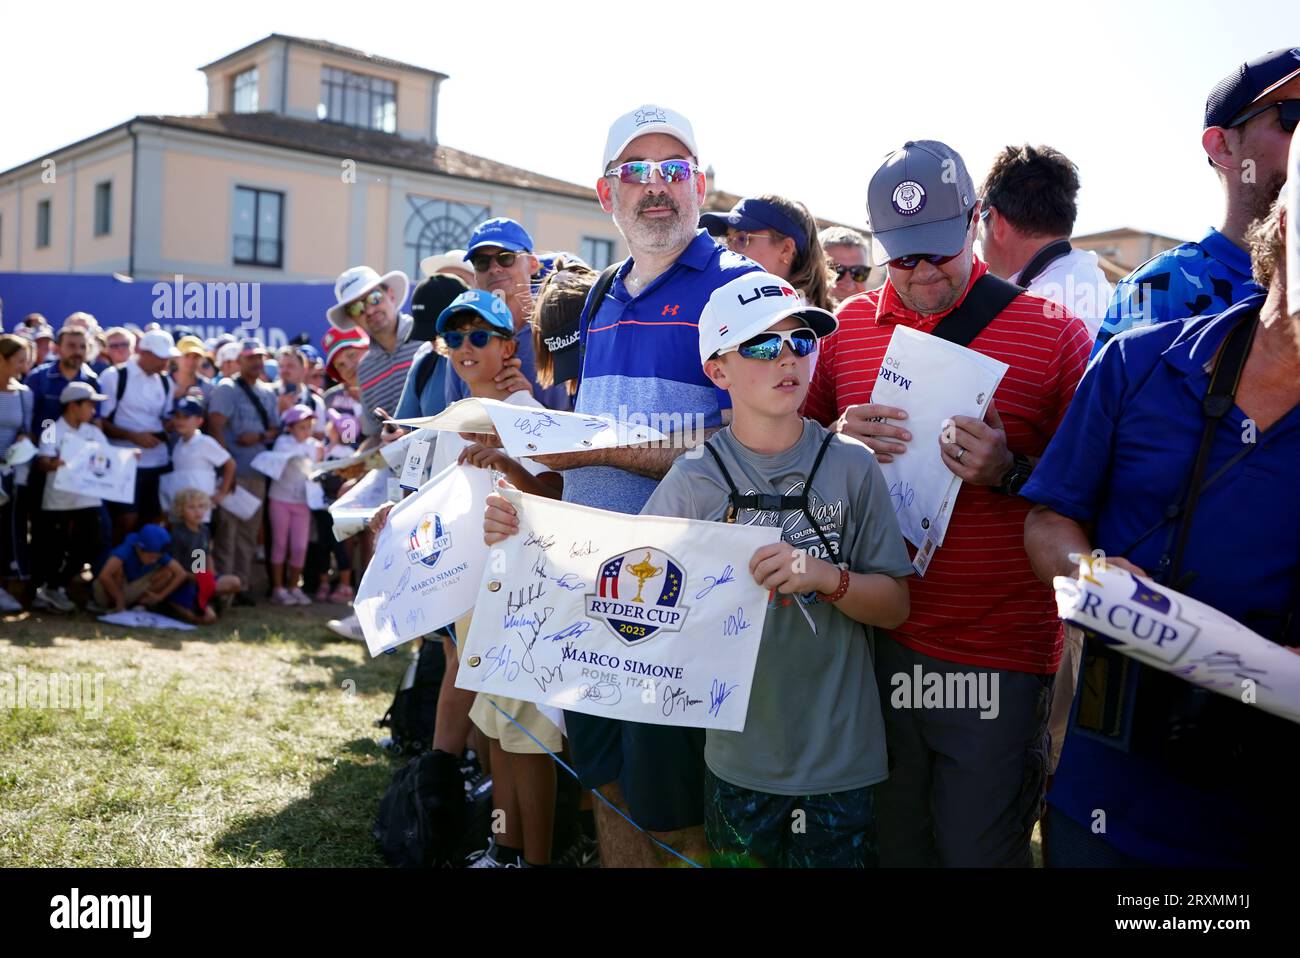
(798,98)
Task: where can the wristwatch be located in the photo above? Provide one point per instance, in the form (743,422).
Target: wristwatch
(1014,479)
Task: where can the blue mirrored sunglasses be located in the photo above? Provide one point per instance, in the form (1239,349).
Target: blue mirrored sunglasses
(641,171)
(478,338)
(767,346)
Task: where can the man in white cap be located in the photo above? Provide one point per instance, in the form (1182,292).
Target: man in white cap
(374,304)
(136,413)
(450,263)
(640,343)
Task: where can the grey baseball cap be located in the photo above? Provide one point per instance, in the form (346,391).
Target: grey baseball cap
(917,202)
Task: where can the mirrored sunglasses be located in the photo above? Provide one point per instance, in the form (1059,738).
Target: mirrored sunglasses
(767,346)
(641,171)
(478,338)
(911,262)
(372,298)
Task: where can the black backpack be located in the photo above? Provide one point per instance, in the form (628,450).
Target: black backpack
(423,815)
(411,717)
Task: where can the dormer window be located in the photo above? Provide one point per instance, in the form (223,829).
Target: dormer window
(355,99)
(244,95)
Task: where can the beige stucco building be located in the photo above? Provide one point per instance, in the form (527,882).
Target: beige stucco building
(311,157)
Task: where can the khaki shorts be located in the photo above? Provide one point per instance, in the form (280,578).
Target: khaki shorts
(495,725)
(131,590)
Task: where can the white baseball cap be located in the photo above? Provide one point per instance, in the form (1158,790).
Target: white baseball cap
(752,304)
(453,258)
(643,120)
(227,352)
(159,342)
(355,282)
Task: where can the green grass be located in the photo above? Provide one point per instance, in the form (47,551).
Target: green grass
(249,743)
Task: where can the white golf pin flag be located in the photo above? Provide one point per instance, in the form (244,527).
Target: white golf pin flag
(617,616)
(532,431)
(93,469)
(428,560)
(1175,633)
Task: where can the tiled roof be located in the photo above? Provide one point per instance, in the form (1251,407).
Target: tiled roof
(326,47)
(366,146)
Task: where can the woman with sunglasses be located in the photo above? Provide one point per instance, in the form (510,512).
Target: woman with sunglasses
(779,235)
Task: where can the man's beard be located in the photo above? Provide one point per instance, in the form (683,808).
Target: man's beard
(1264,195)
(655,234)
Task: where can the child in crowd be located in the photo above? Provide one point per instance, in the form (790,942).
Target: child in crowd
(556,315)
(476,333)
(287,502)
(342,434)
(68,524)
(139,573)
(192,546)
(198,452)
(824,756)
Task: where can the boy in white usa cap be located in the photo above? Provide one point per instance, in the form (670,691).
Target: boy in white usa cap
(841,557)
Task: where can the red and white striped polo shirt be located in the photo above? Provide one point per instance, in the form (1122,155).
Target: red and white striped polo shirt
(979,602)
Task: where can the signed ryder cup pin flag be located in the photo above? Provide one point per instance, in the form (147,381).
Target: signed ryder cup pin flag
(428,560)
(1174,633)
(627,617)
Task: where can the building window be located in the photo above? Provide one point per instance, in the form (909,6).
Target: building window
(244,97)
(435,226)
(103,208)
(42,224)
(598,253)
(258,232)
(355,99)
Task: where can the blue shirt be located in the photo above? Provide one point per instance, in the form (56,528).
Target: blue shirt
(642,364)
(433,398)
(46,382)
(1194,279)
(1121,456)
(132,567)
(555,397)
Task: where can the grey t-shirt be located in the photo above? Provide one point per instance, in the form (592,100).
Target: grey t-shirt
(230,400)
(814,723)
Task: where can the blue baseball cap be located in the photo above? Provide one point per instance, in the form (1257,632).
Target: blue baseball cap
(311,352)
(483,304)
(500,231)
(1250,83)
(190,407)
(752,215)
(151,538)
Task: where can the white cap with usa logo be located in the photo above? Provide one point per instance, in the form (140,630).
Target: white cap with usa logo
(752,304)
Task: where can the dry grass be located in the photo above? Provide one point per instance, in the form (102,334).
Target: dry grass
(248,743)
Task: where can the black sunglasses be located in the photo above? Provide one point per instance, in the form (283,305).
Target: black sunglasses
(1288,114)
(483,261)
(859,273)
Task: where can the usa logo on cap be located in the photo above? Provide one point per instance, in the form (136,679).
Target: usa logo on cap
(908,198)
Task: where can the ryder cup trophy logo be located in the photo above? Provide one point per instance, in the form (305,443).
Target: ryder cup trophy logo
(639,594)
(427,541)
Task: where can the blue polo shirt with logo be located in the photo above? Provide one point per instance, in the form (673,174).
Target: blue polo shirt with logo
(642,359)
(1186,777)
(1195,279)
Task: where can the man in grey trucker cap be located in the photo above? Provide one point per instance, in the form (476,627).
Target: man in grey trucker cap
(965,785)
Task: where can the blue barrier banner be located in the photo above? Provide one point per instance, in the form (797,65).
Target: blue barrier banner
(273,313)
